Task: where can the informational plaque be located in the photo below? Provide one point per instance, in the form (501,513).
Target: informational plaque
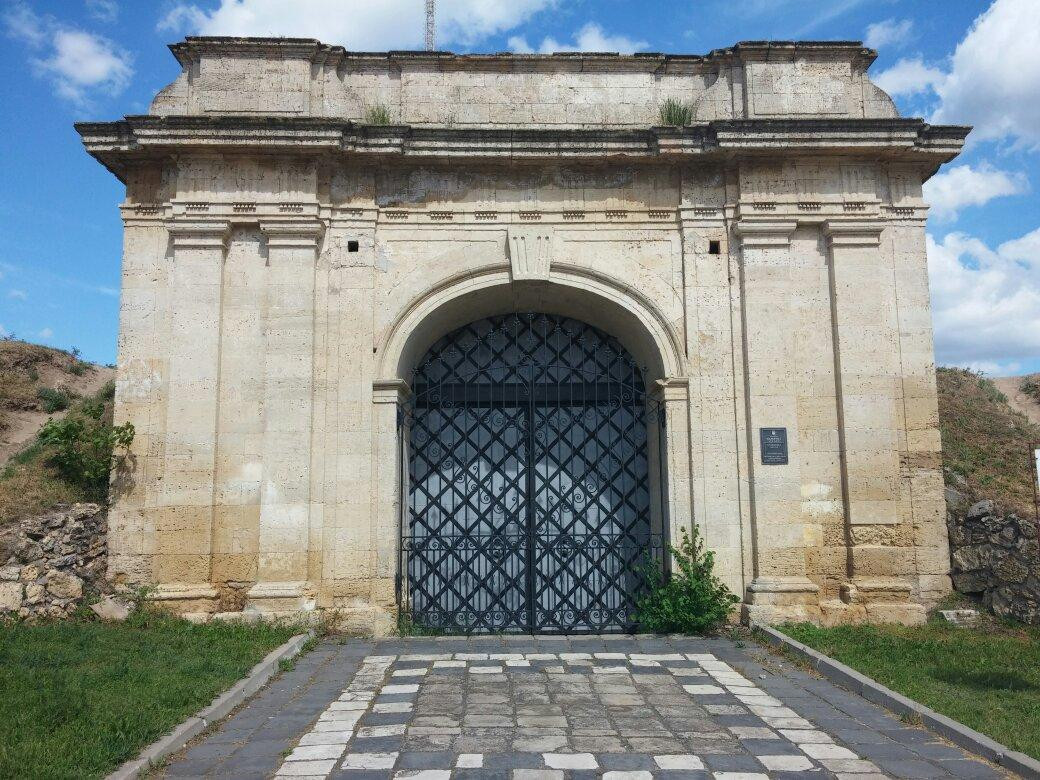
(774,446)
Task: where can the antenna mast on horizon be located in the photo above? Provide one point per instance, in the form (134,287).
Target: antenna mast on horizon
(431,28)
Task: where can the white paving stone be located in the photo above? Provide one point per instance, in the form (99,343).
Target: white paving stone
(349,706)
(470,761)
(317,752)
(388,689)
(335,724)
(785,763)
(753,732)
(678,762)
(486,670)
(802,736)
(393,706)
(393,730)
(628,775)
(827,751)
(326,737)
(424,774)
(570,760)
(448,664)
(740,776)
(409,672)
(369,760)
(703,690)
(305,768)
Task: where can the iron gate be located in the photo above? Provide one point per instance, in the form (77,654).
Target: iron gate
(529,480)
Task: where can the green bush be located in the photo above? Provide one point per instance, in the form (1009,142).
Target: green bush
(692,600)
(1031,387)
(53,400)
(677,113)
(83,448)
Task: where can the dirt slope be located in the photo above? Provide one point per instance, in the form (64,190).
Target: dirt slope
(26,370)
(986,442)
(1021,402)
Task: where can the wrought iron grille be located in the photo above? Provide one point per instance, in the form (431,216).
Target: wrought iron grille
(529,480)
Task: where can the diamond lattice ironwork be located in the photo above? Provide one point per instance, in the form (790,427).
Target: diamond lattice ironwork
(529,492)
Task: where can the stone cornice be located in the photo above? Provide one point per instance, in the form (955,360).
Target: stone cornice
(858,233)
(764,234)
(193,48)
(118,144)
(293,234)
(210,234)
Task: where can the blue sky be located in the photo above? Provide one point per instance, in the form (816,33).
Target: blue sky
(957,61)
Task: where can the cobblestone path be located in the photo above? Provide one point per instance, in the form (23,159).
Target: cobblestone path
(622,708)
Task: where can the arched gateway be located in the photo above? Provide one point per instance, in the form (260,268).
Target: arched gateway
(287,266)
(530,493)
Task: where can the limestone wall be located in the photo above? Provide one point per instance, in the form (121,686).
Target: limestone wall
(271,306)
(306,78)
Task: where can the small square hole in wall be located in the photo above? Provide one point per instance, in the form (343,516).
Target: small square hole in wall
(352,246)
(714,247)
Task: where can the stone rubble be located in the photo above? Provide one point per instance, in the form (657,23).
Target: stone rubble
(997,557)
(54,562)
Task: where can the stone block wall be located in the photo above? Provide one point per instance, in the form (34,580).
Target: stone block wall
(284,268)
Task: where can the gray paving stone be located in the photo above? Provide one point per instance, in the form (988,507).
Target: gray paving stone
(911,769)
(624,718)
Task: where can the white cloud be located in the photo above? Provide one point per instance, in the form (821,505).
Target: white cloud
(890,32)
(591,37)
(23,24)
(355,24)
(909,77)
(18,295)
(78,63)
(994,82)
(103,10)
(991,81)
(991,368)
(962,185)
(82,62)
(46,334)
(985,302)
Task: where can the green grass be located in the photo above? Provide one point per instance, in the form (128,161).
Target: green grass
(78,698)
(988,679)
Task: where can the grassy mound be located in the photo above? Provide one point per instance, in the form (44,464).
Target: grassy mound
(985,442)
(69,460)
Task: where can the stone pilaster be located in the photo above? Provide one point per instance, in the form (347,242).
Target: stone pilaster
(285,491)
(388,515)
(780,589)
(673,396)
(871,422)
(185,498)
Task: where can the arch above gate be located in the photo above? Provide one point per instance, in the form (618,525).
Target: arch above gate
(572,291)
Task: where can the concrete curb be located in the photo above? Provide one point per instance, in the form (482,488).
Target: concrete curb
(872,691)
(221,706)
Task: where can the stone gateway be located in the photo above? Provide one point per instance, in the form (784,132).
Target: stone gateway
(482,363)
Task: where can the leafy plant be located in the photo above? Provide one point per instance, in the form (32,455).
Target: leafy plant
(84,449)
(53,400)
(676,113)
(1031,387)
(377,114)
(692,600)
